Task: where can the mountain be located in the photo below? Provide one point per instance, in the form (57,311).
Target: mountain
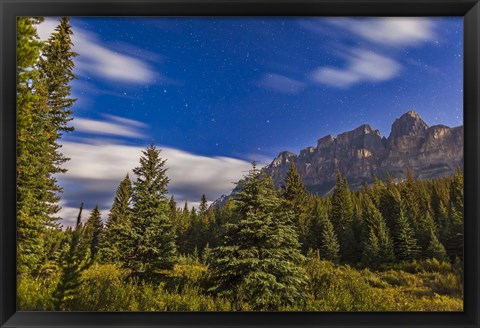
(360,154)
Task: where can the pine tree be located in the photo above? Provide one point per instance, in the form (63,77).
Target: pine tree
(32,145)
(297,200)
(92,232)
(435,248)
(260,260)
(319,214)
(56,65)
(454,239)
(172,211)
(151,232)
(73,261)
(183,229)
(115,238)
(378,245)
(203,205)
(389,204)
(341,216)
(330,249)
(410,196)
(38,157)
(405,243)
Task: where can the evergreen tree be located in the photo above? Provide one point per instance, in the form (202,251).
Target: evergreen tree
(32,149)
(56,65)
(183,230)
(259,262)
(435,248)
(73,260)
(378,245)
(172,211)
(330,249)
(297,200)
(405,243)
(425,228)
(92,232)
(115,238)
(389,204)
(151,232)
(38,158)
(454,239)
(341,216)
(319,215)
(409,194)
(203,205)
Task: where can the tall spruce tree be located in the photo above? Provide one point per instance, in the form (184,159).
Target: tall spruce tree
(73,261)
(151,232)
(435,248)
(92,232)
(405,244)
(341,216)
(329,248)
(203,205)
(319,214)
(30,171)
(115,238)
(378,245)
(56,65)
(296,198)
(454,234)
(259,262)
(38,158)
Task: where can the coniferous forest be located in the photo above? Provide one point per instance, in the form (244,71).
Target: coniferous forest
(391,246)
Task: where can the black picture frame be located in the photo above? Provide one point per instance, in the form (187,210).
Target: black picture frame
(468,9)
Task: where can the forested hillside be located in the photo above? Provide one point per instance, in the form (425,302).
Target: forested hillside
(387,247)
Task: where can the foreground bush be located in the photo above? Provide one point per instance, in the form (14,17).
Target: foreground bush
(330,287)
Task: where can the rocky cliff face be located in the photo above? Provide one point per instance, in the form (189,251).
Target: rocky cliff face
(360,154)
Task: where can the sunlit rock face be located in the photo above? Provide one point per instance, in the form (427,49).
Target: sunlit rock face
(360,154)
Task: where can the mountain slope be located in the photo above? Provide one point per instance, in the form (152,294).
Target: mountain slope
(359,154)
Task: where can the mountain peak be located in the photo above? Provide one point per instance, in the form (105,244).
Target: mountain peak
(409,123)
(283,158)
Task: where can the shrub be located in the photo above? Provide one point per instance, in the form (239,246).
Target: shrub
(34,294)
(428,265)
(103,289)
(399,278)
(447,284)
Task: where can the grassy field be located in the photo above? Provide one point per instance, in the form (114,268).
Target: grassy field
(427,285)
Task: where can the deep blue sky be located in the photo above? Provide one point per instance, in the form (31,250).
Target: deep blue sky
(248,88)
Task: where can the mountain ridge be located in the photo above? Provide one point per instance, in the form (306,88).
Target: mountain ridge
(362,153)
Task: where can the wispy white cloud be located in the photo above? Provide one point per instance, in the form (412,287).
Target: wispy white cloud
(362,63)
(390,31)
(96,168)
(117,126)
(97,59)
(362,66)
(281,83)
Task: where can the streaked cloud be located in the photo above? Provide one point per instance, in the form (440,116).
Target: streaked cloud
(117,126)
(281,83)
(361,66)
(390,31)
(372,60)
(96,168)
(98,60)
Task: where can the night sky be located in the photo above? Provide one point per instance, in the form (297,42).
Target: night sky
(216,93)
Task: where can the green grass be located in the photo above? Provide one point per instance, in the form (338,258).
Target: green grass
(418,286)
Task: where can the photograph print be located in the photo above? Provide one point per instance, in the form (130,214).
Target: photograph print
(240,164)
